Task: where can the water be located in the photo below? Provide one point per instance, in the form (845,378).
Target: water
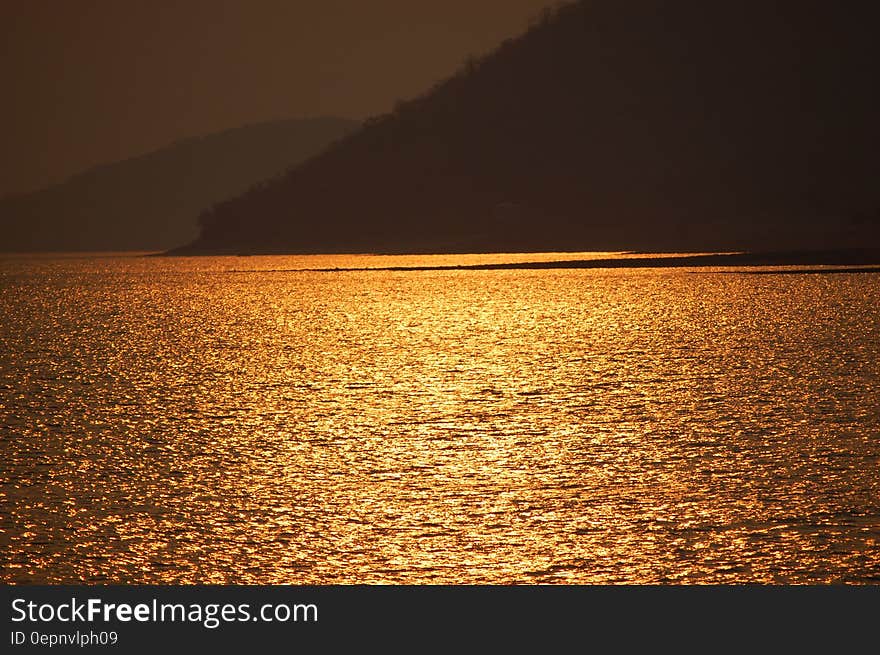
(230,420)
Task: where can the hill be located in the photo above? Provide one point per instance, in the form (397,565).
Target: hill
(151,202)
(680,125)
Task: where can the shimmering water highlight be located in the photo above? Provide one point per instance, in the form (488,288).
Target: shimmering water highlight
(169,421)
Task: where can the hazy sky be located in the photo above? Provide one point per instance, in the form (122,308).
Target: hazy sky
(92,81)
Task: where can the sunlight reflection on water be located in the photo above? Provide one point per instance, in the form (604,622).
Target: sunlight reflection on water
(167,421)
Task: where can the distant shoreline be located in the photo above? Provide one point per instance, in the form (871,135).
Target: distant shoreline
(867,259)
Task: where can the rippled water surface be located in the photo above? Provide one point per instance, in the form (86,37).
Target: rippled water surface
(231,420)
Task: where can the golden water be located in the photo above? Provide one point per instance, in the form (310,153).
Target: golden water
(231,420)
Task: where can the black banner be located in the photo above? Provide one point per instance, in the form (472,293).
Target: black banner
(200,619)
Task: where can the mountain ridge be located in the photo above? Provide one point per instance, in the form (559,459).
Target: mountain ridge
(150,201)
(606,126)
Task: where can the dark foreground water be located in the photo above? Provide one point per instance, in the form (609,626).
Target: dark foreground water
(229,420)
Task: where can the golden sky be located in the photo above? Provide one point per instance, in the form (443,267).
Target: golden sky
(95,81)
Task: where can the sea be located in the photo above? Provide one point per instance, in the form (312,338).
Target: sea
(276,420)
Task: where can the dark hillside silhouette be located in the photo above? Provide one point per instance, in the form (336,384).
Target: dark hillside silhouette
(151,202)
(608,125)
